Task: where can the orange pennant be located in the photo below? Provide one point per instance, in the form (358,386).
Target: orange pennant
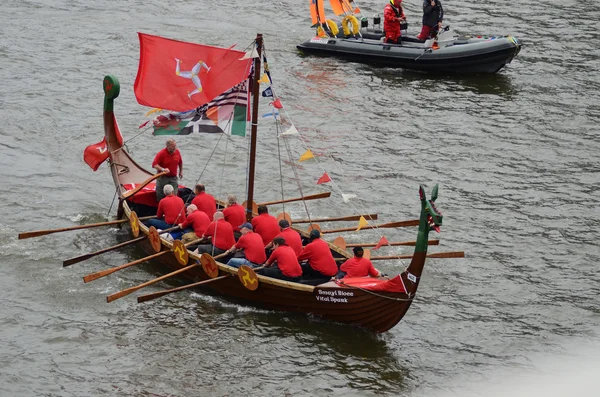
(381,243)
(324,179)
(306,156)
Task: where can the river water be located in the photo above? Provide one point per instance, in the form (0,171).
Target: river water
(515,155)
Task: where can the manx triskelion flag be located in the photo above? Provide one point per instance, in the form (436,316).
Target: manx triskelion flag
(227,113)
(181,76)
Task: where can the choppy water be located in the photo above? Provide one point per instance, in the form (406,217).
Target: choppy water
(515,155)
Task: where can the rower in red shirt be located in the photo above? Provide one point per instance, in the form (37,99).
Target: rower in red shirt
(235,214)
(204,201)
(321,264)
(287,267)
(265,224)
(168,160)
(221,234)
(197,220)
(358,266)
(252,244)
(291,237)
(171,210)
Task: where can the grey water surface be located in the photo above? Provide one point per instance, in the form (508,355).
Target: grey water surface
(515,155)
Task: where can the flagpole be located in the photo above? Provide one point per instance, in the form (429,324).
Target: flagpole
(254,128)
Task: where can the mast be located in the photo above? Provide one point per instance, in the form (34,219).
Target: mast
(254,129)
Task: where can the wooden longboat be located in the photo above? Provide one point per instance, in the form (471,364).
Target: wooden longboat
(375,310)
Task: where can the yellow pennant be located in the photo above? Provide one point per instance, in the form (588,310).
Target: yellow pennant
(152,111)
(362,222)
(306,156)
(264,79)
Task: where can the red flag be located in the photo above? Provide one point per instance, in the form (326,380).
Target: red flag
(181,76)
(96,154)
(277,103)
(324,179)
(381,243)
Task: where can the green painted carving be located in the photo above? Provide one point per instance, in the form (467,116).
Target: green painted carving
(429,219)
(111,91)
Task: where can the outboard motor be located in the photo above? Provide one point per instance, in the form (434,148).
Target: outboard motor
(377,21)
(364,22)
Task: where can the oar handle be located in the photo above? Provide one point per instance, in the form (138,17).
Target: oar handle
(147,297)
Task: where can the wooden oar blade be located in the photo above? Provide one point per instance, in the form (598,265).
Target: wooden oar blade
(342,218)
(106,272)
(395,243)
(413,222)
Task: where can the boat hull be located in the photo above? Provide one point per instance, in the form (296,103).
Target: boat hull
(466,56)
(376,311)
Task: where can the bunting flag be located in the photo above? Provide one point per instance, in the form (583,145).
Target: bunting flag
(383,241)
(292,131)
(276,103)
(250,54)
(96,154)
(362,222)
(264,79)
(145,123)
(347,197)
(181,76)
(227,113)
(306,156)
(271,114)
(268,92)
(324,179)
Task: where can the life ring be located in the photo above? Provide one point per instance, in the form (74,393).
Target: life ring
(333,28)
(355,25)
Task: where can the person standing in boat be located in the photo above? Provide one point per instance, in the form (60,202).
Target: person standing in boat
(253,246)
(221,234)
(393,16)
(265,224)
(292,238)
(235,214)
(168,160)
(358,266)
(287,267)
(320,263)
(433,15)
(197,220)
(204,201)
(171,210)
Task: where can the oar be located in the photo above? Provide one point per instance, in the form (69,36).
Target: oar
(66,229)
(128,291)
(455,254)
(77,259)
(103,273)
(409,243)
(414,222)
(310,197)
(143,185)
(342,218)
(147,297)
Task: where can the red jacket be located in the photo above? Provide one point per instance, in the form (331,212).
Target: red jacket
(319,257)
(292,238)
(221,233)
(168,160)
(286,261)
(267,226)
(173,210)
(235,214)
(358,267)
(391,25)
(254,249)
(206,203)
(198,220)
